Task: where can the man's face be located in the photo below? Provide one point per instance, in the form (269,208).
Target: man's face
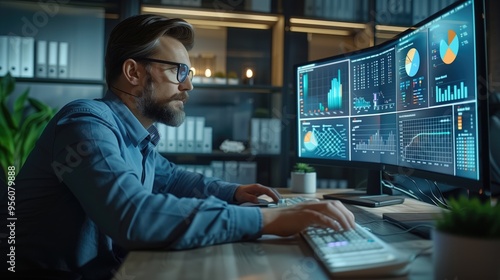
(163,97)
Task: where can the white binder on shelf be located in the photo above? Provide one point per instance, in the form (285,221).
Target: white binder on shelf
(265,135)
(52,60)
(434,7)
(27,57)
(318,8)
(247,172)
(162,144)
(327,9)
(181,138)
(190,123)
(207,140)
(62,66)
(231,171)
(14,56)
(218,169)
(199,126)
(309,8)
(171,139)
(418,12)
(4,45)
(255,136)
(350,10)
(41,59)
(209,172)
(199,169)
(274,145)
(190,168)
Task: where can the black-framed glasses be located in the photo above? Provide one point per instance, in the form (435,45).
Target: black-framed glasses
(183,71)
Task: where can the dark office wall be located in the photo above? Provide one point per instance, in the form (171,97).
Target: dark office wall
(493,29)
(249,48)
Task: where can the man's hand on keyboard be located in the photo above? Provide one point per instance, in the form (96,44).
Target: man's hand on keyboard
(287,221)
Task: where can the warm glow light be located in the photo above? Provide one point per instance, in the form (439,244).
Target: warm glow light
(210,14)
(208,73)
(384,35)
(218,23)
(194,70)
(390,28)
(326,23)
(320,31)
(249,73)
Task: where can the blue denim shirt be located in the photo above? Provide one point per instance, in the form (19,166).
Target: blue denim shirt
(94,188)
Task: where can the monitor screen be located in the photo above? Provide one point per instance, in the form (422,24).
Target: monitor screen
(416,104)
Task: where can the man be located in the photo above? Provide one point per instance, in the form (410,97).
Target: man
(94,186)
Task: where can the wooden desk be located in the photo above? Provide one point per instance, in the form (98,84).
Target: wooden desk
(270,257)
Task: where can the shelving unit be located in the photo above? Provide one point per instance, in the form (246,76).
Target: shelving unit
(271,42)
(60,81)
(50,22)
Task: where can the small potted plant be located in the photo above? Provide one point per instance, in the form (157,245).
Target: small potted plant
(232,78)
(303,178)
(219,77)
(22,120)
(466,240)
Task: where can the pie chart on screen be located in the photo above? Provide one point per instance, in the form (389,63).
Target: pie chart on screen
(448,49)
(310,141)
(412,62)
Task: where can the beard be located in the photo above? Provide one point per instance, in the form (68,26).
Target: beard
(164,112)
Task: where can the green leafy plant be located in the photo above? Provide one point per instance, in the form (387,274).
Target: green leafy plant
(219,74)
(232,75)
(470,217)
(303,167)
(20,124)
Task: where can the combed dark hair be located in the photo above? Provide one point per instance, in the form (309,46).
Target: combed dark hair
(138,36)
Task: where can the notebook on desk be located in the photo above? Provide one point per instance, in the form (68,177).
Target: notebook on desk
(420,224)
(366,200)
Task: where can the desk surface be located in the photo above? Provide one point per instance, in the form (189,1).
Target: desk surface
(270,257)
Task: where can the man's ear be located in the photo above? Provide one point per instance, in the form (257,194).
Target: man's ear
(132,71)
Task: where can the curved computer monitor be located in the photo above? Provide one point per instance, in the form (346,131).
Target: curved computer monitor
(415,105)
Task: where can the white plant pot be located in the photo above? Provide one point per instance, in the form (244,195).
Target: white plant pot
(233,81)
(220,81)
(207,80)
(303,182)
(460,257)
(196,80)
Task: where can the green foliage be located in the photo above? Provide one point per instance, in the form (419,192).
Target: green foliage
(232,75)
(20,125)
(471,217)
(261,112)
(303,167)
(219,74)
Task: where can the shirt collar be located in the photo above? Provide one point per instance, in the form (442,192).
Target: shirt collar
(154,135)
(133,128)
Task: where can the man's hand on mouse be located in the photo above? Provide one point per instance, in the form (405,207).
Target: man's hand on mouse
(250,193)
(287,221)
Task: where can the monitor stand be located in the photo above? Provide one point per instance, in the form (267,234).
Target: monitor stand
(372,197)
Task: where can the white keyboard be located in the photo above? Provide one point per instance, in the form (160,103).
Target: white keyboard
(289,201)
(354,253)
